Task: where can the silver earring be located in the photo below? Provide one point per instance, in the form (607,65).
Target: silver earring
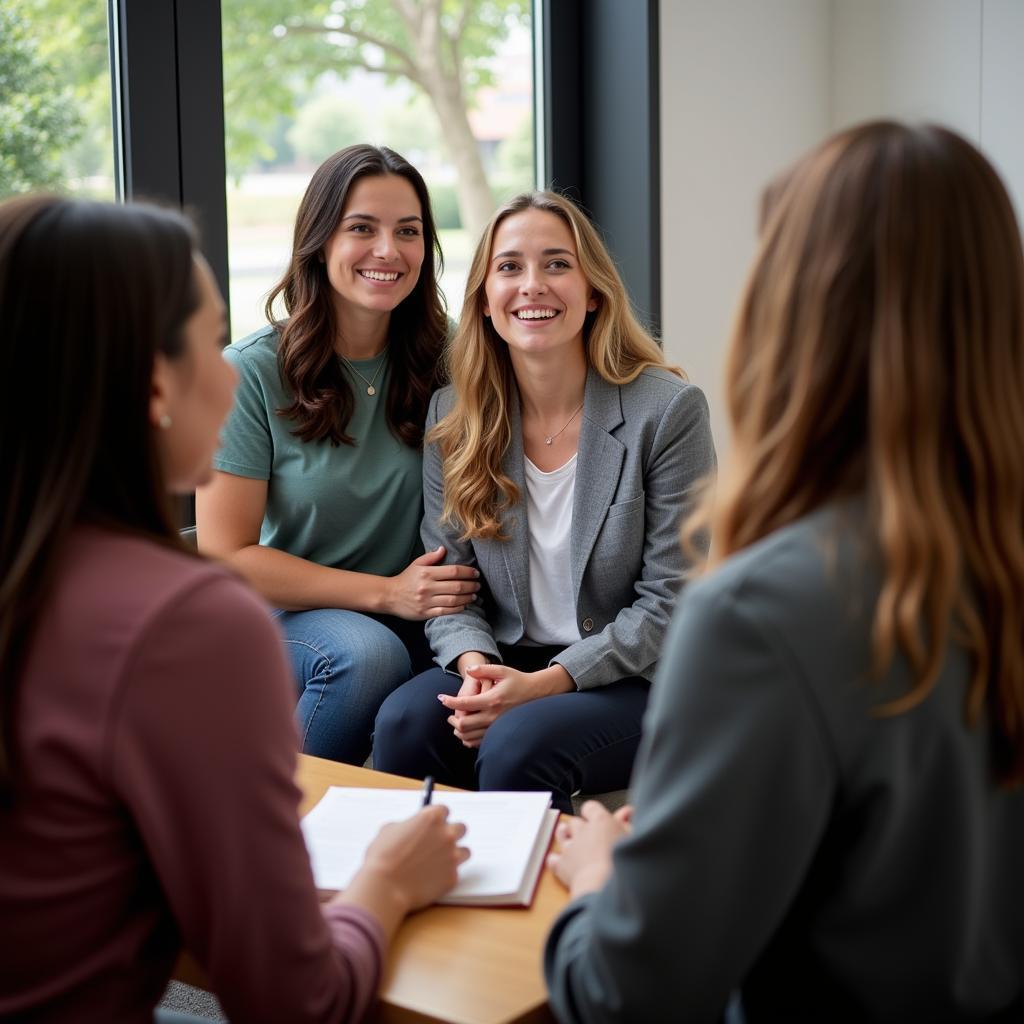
(165,421)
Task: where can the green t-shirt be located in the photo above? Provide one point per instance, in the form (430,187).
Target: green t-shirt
(350,507)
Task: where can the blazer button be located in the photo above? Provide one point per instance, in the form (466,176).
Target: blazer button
(588,625)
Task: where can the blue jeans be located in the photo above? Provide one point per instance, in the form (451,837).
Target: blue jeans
(583,740)
(345,664)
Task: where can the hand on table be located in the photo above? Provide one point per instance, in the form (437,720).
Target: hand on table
(583,861)
(489,690)
(425,588)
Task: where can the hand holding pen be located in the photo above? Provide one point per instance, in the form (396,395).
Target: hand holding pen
(410,863)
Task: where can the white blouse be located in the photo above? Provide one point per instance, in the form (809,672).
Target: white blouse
(552,615)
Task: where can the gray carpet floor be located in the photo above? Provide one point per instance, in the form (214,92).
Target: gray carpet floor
(186,999)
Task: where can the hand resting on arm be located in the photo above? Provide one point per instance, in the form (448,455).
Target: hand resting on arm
(229,513)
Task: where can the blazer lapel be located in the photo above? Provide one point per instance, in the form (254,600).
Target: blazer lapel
(598,467)
(516,550)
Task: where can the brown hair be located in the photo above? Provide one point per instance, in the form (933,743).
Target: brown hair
(879,349)
(323,401)
(476,433)
(89,293)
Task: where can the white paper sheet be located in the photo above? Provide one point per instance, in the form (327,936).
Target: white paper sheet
(504,831)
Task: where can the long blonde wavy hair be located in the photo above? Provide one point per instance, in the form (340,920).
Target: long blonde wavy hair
(879,349)
(476,433)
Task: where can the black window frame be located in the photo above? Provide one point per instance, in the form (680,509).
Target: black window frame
(600,128)
(169,112)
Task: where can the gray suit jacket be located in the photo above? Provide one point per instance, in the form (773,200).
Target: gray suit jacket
(642,448)
(837,865)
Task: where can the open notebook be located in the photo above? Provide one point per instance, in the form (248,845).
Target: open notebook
(508,835)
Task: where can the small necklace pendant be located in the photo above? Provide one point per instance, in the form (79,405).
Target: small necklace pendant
(371,390)
(548,440)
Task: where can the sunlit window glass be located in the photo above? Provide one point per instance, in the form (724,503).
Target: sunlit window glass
(302,81)
(55,98)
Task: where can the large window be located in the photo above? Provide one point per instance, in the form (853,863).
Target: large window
(301,82)
(292,74)
(55,98)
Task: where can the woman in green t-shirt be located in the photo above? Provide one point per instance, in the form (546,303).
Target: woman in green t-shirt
(317,497)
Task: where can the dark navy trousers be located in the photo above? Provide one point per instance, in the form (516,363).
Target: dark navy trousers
(580,741)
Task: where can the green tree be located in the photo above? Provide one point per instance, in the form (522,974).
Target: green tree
(443,47)
(37,118)
(324,125)
(514,165)
(73,42)
(411,128)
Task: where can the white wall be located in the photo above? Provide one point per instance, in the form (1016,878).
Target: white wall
(960,62)
(741,96)
(916,60)
(1002,92)
(747,85)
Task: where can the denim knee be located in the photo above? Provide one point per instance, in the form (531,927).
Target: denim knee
(378,659)
(345,665)
(329,643)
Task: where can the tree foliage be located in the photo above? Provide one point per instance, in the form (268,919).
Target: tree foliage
(274,51)
(275,43)
(38,120)
(515,160)
(57,77)
(324,125)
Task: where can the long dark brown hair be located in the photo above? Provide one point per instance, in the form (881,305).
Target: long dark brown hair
(879,349)
(322,397)
(89,293)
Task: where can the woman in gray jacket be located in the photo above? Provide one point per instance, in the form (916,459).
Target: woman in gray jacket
(829,818)
(558,465)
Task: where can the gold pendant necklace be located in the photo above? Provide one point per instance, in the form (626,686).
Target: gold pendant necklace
(548,438)
(370,389)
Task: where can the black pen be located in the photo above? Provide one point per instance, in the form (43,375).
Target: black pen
(428,790)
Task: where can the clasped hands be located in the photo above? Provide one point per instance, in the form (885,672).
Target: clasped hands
(489,690)
(583,860)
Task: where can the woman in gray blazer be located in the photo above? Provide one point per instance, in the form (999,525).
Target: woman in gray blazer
(558,464)
(829,813)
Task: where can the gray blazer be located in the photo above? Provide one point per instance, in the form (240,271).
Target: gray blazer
(642,448)
(834,864)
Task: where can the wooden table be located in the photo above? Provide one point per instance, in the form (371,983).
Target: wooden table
(460,965)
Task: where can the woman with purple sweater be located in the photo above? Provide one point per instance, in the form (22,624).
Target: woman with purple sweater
(147,749)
